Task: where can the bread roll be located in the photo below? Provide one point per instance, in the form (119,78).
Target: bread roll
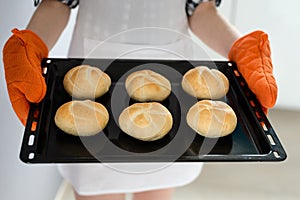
(147,85)
(211,118)
(86,82)
(81,118)
(204,83)
(146,121)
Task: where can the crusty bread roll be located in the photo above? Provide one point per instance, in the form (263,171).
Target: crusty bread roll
(146,121)
(81,118)
(211,118)
(204,83)
(147,85)
(86,82)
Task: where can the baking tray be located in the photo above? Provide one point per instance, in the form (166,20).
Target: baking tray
(254,139)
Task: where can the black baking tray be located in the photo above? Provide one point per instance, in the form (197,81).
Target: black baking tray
(254,139)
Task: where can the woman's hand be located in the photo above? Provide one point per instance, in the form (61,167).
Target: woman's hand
(252,55)
(22,56)
(24,51)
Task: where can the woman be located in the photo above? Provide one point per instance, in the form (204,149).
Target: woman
(128,28)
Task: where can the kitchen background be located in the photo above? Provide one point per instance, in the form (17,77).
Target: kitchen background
(217,181)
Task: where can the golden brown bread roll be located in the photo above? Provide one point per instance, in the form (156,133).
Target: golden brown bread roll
(86,82)
(204,83)
(81,118)
(211,118)
(146,121)
(147,85)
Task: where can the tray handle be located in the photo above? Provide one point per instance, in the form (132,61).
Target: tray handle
(277,151)
(29,144)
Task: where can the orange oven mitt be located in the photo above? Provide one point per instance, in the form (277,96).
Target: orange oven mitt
(22,56)
(252,55)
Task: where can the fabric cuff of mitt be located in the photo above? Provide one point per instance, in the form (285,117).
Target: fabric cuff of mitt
(28,35)
(252,55)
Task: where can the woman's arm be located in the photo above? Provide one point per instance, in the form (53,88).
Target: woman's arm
(212,28)
(49,20)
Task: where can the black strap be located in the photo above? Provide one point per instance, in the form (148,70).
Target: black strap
(36,2)
(71,4)
(218,2)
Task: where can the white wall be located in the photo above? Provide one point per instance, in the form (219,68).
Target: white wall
(280,19)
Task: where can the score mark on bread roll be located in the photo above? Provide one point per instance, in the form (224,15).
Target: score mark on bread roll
(204,83)
(146,121)
(147,85)
(81,118)
(211,118)
(86,82)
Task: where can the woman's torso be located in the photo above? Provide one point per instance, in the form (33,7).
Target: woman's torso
(112,28)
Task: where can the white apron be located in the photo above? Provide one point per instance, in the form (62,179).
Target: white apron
(130,29)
